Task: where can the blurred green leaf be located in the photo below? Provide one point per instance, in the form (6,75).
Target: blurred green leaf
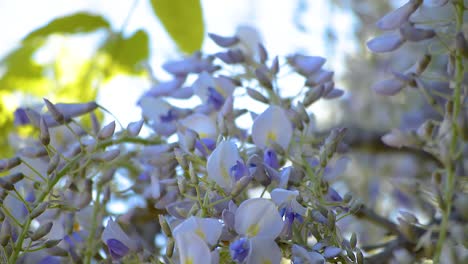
(80,22)
(183,20)
(127,54)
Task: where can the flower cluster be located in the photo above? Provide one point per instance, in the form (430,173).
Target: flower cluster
(218,181)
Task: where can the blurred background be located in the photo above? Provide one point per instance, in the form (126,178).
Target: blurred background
(112,51)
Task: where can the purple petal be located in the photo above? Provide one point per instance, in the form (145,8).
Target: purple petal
(396,18)
(239,249)
(223,41)
(271,159)
(388,87)
(307,65)
(183,93)
(331,252)
(411,33)
(21,118)
(385,43)
(117,249)
(164,88)
(334,93)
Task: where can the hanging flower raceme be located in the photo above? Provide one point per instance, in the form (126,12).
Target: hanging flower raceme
(258,223)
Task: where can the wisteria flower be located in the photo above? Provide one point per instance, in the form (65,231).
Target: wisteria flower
(290,209)
(208,229)
(221,162)
(272,126)
(118,243)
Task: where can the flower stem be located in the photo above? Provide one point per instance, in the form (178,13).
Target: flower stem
(450,166)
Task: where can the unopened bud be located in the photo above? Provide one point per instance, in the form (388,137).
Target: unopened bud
(274,69)
(350,255)
(347,198)
(54,111)
(331,220)
(170,247)
(240,185)
(7,164)
(39,210)
(2,216)
(302,113)
(53,163)
(34,152)
(422,64)
(263,54)
(5,233)
(41,231)
(181,184)
(257,95)
(164,226)
(426,129)
(106,156)
(8,186)
(15,177)
(263,79)
(52,243)
(359,257)
(353,240)
(106,177)
(134,128)
(44,132)
(57,251)
(461,44)
(193,174)
(107,131)
(181,158)
(313,95)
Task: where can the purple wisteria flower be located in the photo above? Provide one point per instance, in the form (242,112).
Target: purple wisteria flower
(118,243)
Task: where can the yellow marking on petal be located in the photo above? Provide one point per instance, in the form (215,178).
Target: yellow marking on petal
(225,173)
(271,137)
(200,233)
(188,261)
(202,135)
(253,230)
(76,227)
(266,261)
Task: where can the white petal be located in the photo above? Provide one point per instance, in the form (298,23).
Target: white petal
(209,229)
(219,163)
(152,108)
(192,249)
(258,217)
(264,251)
(281,196)
(202,124)
(388,87)
(272,125)
(200,86)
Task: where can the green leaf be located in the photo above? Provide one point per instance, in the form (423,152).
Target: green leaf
(128,54)
(183,20)
(80,22)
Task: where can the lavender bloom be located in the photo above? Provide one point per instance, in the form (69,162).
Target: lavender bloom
(272,126)
(396,18)
(271,159)
(193,64)
(208,229)
(192,249)
(389,86)
(213,90)
(385,43)
(301,256)
(166,88)
(240,249)
(118,243)
(306,65)
(21,118)
(220,162)
(290,209)
(223,41)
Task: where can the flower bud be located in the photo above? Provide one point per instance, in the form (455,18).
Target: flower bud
(181,158)
(257,96)
(107,131)
(193,174)
(461,44)
(2,216)
(353,240)
(411,33)
(5,233)
(359,257)
(170,247)
(38,210)
(313,95)
(134,128)
(41,231)
(263,54)
(57,251)
(274,69)
(54,111)
(331,220)
(164,226)
(52,243)
(8,186)
(347,198)
(15,177)
(224,42)
(263,79)
(44,132)
(106,156)
(240,185)
(182,184)
(34,152)
(7,164)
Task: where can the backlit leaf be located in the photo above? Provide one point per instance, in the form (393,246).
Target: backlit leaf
(183,20)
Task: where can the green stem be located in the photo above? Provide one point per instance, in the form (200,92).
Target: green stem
(92,232)
(450,180)
(19,242)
